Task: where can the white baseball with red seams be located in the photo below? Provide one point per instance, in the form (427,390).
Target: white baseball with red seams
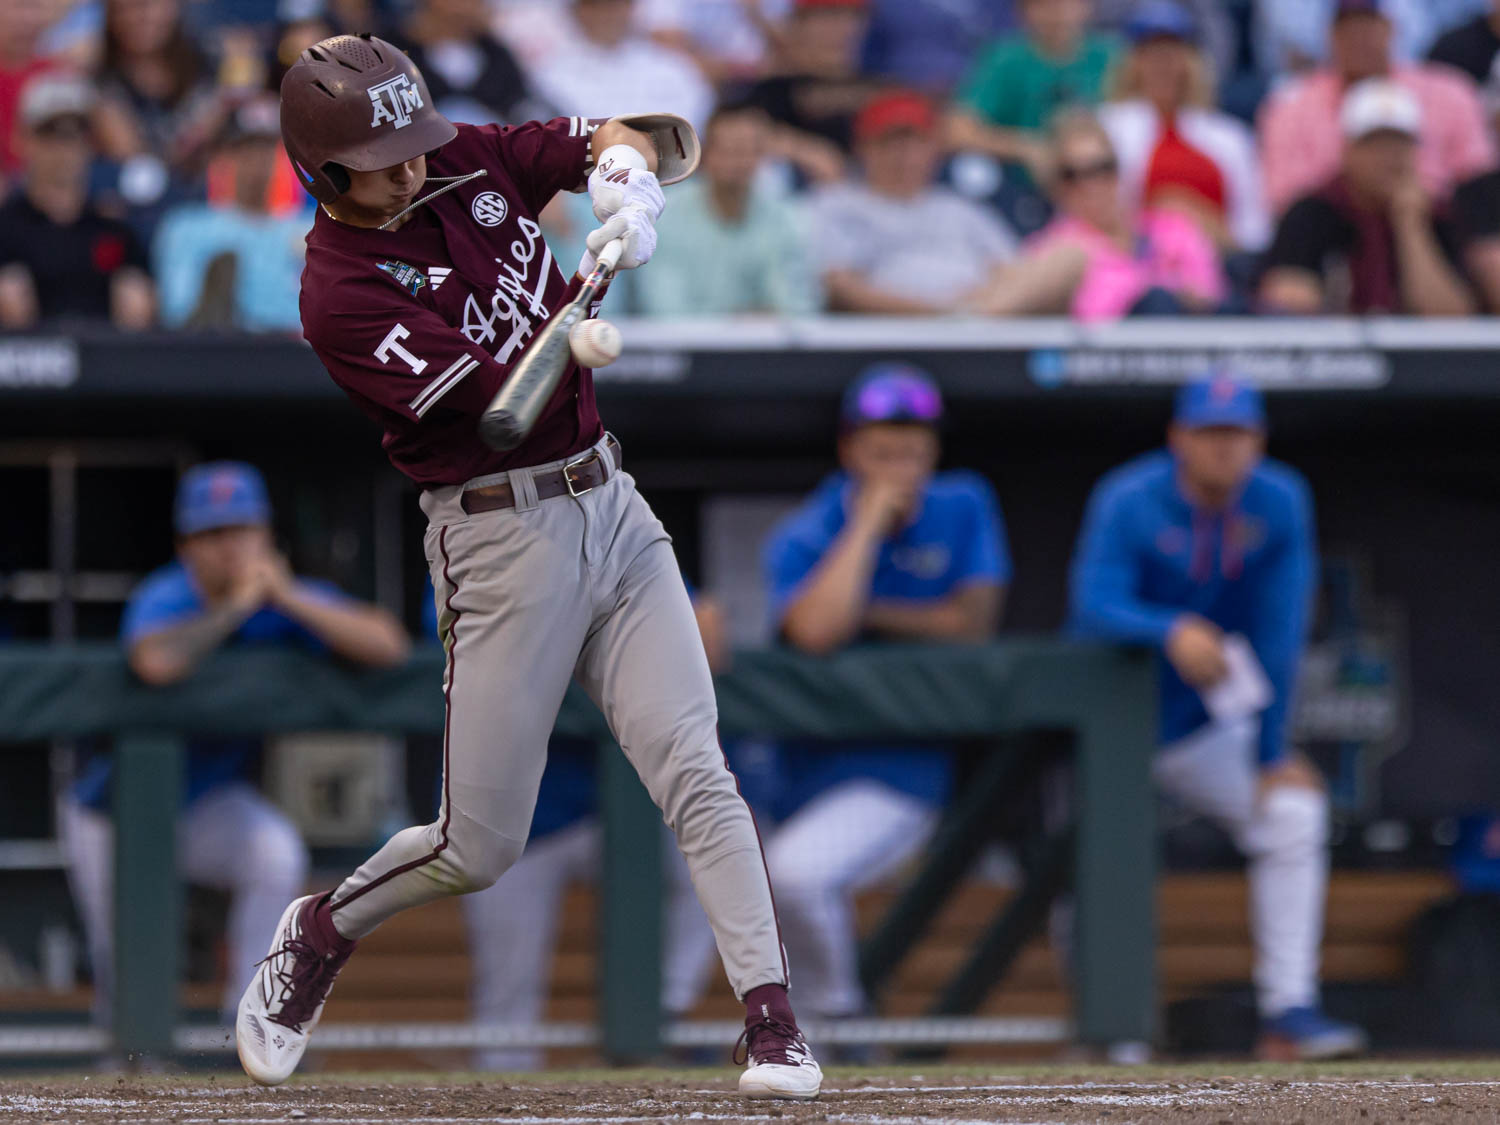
(596,343)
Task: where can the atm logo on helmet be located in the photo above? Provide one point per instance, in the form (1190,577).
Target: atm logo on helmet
(394,99)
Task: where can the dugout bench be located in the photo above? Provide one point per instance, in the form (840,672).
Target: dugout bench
(1103,696)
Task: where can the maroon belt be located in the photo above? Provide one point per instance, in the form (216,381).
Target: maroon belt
(583,474)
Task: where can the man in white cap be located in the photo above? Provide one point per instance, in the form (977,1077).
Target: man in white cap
(60,259)
(1371,240)
(1299,121)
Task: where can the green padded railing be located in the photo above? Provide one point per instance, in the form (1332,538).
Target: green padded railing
(1104,695)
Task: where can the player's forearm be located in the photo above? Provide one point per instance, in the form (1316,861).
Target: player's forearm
(967,132)
(971,614)
(848,292)
(365,634)
(169,655)
(613,133)
(1124,618)
(1429,286)
(831,610)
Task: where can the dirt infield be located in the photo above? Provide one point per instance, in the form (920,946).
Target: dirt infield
(1367,1095)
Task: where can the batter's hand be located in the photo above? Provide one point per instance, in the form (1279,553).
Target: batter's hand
(1195,648)
(613,188)
(635,226)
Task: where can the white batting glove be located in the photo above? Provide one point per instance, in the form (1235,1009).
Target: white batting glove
(632,224)
(620,180)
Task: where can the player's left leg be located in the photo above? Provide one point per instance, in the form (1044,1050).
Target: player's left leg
(1283,830)
(644,665)
(235,840)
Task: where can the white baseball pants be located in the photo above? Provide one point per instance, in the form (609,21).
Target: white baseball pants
(1284,837)
(851,837)
(231,838)
(529,598)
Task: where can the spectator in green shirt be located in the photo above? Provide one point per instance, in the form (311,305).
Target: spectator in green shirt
(730,247)
(1014,88)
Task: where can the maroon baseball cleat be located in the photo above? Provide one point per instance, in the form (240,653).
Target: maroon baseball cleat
(283,1002)
(778,1061)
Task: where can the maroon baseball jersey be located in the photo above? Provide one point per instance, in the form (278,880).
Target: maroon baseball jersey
(421,325)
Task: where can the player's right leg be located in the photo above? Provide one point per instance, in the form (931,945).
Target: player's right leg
(645,667)
(513,613)
(1283,832)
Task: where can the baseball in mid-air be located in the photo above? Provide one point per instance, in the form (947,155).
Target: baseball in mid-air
(595,342)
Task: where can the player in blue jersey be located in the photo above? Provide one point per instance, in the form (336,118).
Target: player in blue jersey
(886,549)
(1206,551)
(227,587)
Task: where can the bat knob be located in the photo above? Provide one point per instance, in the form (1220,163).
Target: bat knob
(501,430)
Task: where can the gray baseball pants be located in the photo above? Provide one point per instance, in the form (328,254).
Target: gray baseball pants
(529,597)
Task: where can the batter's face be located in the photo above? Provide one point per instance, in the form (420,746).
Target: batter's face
(375,197)
(218,558)
(1216,461)
(901,453)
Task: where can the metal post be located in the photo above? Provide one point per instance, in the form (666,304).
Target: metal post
(148,933)
(630,914)
(1116,859)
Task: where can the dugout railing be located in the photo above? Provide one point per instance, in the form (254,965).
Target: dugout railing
(1100,698)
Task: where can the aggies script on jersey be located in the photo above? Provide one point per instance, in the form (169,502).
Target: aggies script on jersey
(420,325)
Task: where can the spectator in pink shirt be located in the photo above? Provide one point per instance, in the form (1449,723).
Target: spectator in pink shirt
(1299,124)
(1139,262)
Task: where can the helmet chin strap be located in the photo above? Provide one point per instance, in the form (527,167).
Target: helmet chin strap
(448,182)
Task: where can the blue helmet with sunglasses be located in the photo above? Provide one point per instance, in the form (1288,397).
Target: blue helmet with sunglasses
(892,393)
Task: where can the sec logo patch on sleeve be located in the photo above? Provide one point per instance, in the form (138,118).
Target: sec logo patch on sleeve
(489,208)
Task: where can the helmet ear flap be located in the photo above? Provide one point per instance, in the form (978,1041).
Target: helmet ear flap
(338,176)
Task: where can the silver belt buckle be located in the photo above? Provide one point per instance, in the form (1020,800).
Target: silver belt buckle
(591,455)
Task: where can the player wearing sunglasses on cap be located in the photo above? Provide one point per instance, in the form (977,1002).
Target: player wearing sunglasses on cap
(886,549)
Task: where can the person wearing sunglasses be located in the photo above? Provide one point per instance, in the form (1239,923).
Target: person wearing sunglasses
(1139,262)
(886,549)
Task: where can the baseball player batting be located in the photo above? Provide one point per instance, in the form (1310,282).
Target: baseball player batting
(427,277)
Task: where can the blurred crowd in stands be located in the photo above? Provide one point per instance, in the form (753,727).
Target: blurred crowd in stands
(1101,158)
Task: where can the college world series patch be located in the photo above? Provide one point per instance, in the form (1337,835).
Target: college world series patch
(408,277)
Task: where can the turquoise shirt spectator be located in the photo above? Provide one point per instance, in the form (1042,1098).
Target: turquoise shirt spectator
(268,251)
(706,265)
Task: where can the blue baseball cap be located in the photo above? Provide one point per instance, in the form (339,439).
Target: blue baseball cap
(891,392)
(220,494)
(1220,400)
(1161,19)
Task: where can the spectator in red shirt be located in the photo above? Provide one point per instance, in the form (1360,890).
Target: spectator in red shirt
(1372,240)
(1138,263)
(21,25)
(60,259)
(1299,125)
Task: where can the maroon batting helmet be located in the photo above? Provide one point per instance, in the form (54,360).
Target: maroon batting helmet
(355,101)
